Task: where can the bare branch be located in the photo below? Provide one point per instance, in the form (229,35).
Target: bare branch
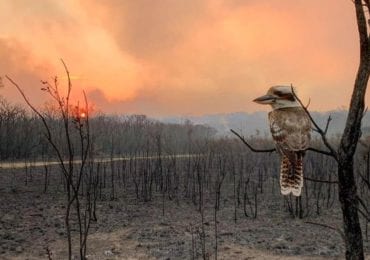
(69,82)
(250,147)
(48,133)
(319,151)
(321,181)
(273,149)
(308,103)
(362,28)
(314,129)
(327,124)
(322,133)
(84,149)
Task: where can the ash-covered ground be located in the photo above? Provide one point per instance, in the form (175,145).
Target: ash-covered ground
(32,224)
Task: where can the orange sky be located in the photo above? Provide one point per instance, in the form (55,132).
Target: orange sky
(181,57)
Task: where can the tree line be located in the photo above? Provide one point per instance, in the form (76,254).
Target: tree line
(22,133)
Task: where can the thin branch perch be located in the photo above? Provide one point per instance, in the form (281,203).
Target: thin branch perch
(251,147)
(273,149)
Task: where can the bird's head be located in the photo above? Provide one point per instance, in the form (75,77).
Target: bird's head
(278,97)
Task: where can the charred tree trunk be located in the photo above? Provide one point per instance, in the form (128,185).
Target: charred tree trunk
(349,140)
(349,205)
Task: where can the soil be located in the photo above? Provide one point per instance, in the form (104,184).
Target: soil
(32,224)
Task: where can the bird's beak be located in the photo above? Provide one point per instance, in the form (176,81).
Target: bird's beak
(266,99)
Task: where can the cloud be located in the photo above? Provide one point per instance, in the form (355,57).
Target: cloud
(17,62)
(62,30)
(146,28)
(238,47)
(185,56)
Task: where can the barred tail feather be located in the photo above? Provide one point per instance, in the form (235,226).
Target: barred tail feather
(291,175)
(298,176)
(284,176)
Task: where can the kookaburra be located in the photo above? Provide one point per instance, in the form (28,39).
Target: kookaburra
(291,130)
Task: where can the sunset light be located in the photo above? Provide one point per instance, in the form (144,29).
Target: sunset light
(183,57)
(184,129)
(83,115)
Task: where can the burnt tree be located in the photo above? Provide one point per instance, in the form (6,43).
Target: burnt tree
(349,140)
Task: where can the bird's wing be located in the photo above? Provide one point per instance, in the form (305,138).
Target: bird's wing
(290,129)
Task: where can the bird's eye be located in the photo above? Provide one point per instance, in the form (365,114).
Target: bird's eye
(282,95)
(278,93)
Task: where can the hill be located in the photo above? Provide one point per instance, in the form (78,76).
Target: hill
(257,122)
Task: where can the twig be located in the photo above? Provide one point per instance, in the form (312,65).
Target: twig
(48,253)
(327,124)
(308,103)
(48,132)
(367,182)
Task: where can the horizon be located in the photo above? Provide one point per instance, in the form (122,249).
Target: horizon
(95,111)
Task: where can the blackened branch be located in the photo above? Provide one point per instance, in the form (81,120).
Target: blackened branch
(321,181)
(48,131)
(273,149)
(328,153)
(251,147)
(318,129)
(327,124)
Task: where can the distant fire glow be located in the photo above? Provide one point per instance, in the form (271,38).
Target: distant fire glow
(82,114)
